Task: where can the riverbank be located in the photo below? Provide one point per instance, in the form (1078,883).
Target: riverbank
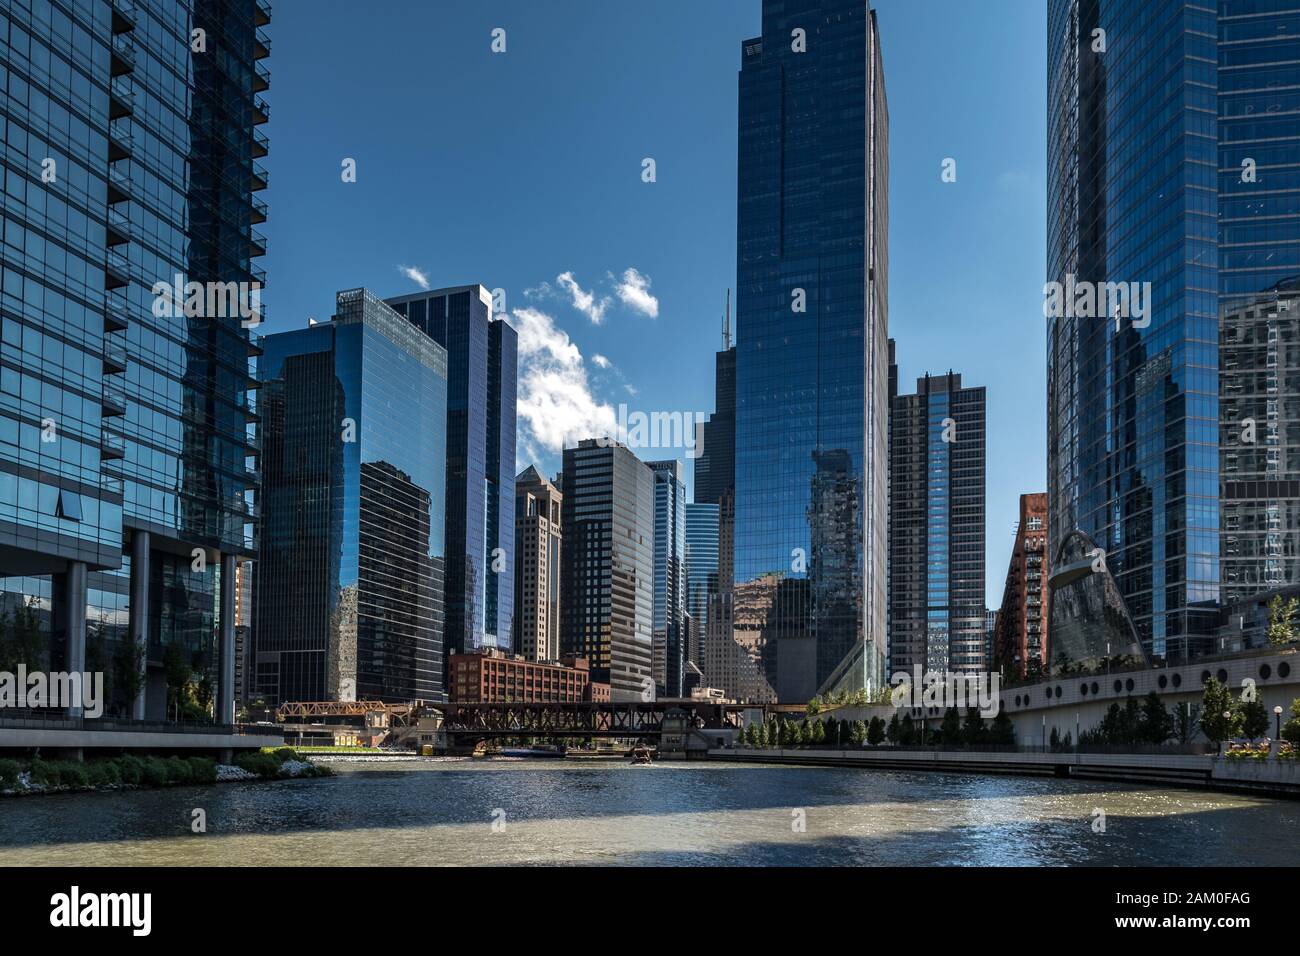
(147,772)
(1276,778)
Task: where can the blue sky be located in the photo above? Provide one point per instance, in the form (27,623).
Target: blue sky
(518,168)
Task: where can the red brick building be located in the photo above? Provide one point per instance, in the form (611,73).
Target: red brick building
(1020,632)
(493,677)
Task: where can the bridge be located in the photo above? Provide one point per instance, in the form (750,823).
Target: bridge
(630,720)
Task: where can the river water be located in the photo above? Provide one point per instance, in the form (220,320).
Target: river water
(469,812)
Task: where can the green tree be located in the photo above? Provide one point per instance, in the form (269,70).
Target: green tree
(817,732)
(1054,741)
(1131,722)
(1184,721)
(973,732)
(1291,729)
(876,731)
(950,729)
(1003,732)
(1157,725)
(895,729)
(176,667)
(1216,702)
(831,732)
(814,706)
(907,731)
(858,733)
(128,671)
(1281,620)
(1255,720)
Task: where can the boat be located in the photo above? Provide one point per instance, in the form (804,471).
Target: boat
(640,754)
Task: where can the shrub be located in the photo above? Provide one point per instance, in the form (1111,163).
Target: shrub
(285,753)
(74,775)
(178,771)
(9,770)
(264,765)
(44,773)
(202,770)
(154,773)
(131,770)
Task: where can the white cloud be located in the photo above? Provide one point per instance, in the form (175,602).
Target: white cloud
(554,402)
(600,361)
(634,291)
(415,275)
(584,301)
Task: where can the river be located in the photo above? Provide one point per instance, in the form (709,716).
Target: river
(511,812)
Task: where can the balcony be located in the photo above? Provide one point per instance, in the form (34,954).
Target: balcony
(254,445)
(117,317)
(119,227)
(111,484)
(262,13)
(122,58)
(114,357)
(121,98)
(113,401)
(261,45)
(261,111)
(119,184)
(111,445)
(252,477)
(119,142)
(261,78)
(255,342)
(260,179)
(261,144)
(256,243)
(258,274)
(123,16)
(117,273)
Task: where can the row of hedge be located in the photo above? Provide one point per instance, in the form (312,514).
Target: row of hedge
(130,770)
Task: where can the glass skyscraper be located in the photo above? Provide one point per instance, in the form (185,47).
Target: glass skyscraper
(482,357)
(701,572)
(936,527)
(1172,158)
(130,154)
(812,399)
(349,587)
(669,615)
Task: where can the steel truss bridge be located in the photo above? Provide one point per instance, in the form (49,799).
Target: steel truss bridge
(577,719)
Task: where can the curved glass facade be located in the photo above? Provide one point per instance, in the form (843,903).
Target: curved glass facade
(1089,623)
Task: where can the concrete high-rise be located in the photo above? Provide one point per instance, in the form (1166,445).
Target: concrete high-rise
(936,529)
(607,576)
(538,546)
(349,578)
(126,491)
(811,358)
(482,360)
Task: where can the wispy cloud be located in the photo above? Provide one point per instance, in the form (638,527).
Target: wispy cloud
(415,275)
(599,360)
(634,291)
(584,301)
(555,404)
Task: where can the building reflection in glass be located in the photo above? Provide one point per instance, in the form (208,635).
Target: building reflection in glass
(1089,623)
(350,572)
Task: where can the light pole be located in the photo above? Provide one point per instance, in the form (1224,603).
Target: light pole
(1277,716)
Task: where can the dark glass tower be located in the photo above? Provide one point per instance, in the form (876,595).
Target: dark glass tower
(131,152)
(607,577)
(349,593)
(715,466)
(482,355)
(701,572)
(1140,455)
(936,528)
(811,357)
(669,615)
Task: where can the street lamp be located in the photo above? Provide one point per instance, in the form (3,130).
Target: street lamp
(1277,715)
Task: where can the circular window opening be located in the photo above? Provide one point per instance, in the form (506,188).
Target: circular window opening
(1163,682)
(1128,684)
(1119,686)
(1178,680)
(1284,669)
(1205,677)
(1223,676)
(1095,688)
(1058,690)
(1083,689)
(1265,671)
